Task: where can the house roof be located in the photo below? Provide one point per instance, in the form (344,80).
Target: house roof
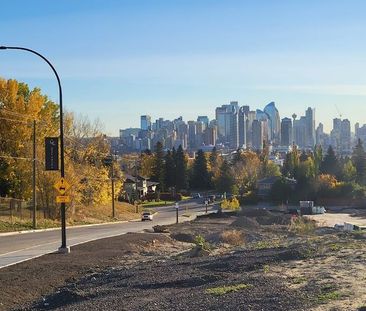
(133,179)
(273,179)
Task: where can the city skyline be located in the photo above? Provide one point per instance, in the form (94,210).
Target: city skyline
(211,116)
(244,127)
(183,58)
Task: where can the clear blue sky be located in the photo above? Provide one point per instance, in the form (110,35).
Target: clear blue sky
(120,59)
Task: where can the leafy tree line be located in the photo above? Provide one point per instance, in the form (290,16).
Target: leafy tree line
(85,150)
(323,176)
(317,174)
(239,175)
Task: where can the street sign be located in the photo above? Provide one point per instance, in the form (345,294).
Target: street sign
(51,153)
(176,205)
(63,199)
(61,186)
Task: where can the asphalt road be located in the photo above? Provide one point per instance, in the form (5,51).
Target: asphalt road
(24,246)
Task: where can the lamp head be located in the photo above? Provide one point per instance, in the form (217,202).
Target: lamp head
(3,47)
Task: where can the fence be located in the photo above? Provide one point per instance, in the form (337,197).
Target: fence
(11,209)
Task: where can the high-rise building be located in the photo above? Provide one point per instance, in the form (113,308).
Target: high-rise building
(145,122)
(335,135)
(345,137)
(250,119)
(299,132)
(200,128)
(310,128)
(357,127)
(223,122)
(274,122)
(257,135)
(227,124)
(264,117)
(286,132)
(361,134)
(319,135)
(210,135)
(203,119)
(192,130)
(242,123)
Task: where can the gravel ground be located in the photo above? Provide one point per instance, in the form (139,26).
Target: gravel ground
(181,284)
(271,269)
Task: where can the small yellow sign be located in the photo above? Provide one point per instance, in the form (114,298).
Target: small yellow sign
(63,199)
(61,186)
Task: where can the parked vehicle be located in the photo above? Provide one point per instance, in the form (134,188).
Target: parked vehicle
(146,216)
(197,196)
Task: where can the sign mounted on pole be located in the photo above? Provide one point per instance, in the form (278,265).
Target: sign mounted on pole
(61,186)
(51,154)
(63,199)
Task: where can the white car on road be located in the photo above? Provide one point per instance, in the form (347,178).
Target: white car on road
(146,216)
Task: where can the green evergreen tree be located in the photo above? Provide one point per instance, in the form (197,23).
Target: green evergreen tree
(318,158)
(349,172)
(181,178)
(200,177)
(213,157)
(159,166)
(330,164)
(291,164)
(359,161)
(287,167)
(169,170)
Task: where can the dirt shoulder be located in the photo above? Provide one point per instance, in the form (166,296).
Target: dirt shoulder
(251,261)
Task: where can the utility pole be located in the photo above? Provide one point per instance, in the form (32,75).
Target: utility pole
(112,175)
(34,177)
(136,190)
(177,212)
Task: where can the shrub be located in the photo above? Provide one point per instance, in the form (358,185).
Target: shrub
(222,290)
(250,198)
(232,204)
(232,237)
(302,225)
(166,196)
(201,242)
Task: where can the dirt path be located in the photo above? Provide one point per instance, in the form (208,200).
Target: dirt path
(331,219)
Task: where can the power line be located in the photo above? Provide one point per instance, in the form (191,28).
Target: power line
(83,145)
(17,158)
(14,113)
(14,120)
(4,110)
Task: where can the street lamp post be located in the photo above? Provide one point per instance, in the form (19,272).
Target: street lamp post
(63,248)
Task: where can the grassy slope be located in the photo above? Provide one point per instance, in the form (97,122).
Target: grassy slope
(82,215)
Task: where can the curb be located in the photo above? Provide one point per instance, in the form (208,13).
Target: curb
(68,227)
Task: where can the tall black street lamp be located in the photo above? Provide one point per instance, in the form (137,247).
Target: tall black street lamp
(63,248)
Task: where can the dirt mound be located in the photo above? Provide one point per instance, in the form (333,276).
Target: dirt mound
(245,222)
(183,237)
(161,229)
(253,217)
(273,220)
(254,212)
(216,215)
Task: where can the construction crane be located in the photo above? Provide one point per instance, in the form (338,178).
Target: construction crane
(339,113)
